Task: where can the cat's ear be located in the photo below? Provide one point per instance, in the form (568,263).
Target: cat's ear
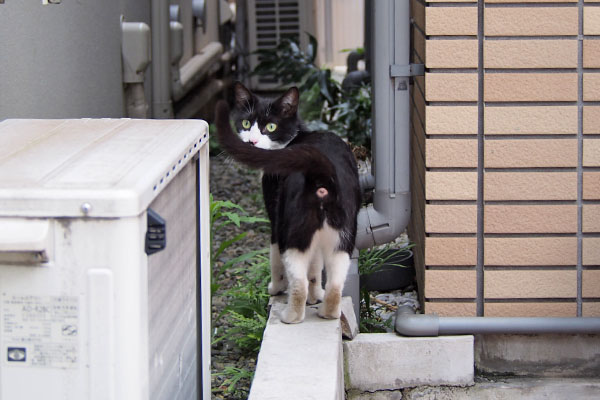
(288,102)
(243,97)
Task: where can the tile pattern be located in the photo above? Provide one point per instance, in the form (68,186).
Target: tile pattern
(506,157)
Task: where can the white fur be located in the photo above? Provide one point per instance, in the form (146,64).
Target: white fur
(302,267)
(255,136)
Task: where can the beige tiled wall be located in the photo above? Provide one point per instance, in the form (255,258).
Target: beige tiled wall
(506,157)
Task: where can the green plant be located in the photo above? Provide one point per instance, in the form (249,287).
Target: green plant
(245,315)
(292,65)
(213,144)
(324,105)
(233,376)
(352,116)
(246,311)
(223,213)
(370,261)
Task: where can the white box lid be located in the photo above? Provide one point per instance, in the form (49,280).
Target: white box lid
(91,167)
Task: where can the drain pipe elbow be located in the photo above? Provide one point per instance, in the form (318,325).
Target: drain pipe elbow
(410,324)
(384,220)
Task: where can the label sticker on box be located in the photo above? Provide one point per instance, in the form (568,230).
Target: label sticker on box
(39,331)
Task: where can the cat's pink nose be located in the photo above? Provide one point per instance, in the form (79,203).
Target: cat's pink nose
(321,192)
(253,141)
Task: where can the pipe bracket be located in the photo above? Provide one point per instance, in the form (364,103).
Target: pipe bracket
(407,70)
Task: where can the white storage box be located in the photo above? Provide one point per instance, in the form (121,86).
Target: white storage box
(85,311)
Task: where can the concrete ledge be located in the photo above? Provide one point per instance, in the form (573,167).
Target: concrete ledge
(538,355)
(300,361)
(386,361)
(524,389)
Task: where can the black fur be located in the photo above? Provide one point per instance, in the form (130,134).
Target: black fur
(292,175)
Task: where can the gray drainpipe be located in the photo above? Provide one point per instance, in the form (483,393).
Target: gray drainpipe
(390,69)
(387,217)
(161,60)
(410,324)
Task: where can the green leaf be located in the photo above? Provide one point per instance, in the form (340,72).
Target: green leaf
(243,258)
(224,245)
(313,45)
(253,220)
(233,217)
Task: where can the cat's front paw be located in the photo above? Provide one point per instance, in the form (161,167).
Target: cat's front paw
(292,316)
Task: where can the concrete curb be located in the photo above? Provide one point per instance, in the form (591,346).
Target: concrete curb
(300,361)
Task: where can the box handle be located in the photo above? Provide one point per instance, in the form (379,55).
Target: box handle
(24,241)
(156,233)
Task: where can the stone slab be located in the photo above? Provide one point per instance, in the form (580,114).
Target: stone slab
(386,361)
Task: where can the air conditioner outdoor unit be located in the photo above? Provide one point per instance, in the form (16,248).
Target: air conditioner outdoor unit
(269,21)
(104,260)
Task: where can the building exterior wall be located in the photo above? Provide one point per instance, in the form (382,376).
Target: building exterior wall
(339,26)
(506,157)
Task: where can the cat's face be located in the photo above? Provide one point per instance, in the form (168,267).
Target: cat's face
(266,123)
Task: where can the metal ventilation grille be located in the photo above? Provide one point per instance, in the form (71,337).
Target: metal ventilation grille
(270,21)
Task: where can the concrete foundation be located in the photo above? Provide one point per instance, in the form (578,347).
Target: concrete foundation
(538,355)
(523,389)
(386,361)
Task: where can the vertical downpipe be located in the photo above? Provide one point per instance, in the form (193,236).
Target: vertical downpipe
(161,60)
(399,140)
(390,96)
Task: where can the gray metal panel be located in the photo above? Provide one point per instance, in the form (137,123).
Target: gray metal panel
(60,60)
(172,293)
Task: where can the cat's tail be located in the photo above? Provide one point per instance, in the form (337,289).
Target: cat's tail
(299,158)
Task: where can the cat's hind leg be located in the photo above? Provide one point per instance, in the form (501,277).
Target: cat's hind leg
(336,265)
(315,273)
(296,267)
(278,282)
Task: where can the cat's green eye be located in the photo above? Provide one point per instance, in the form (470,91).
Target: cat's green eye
(246,124)
(271,127)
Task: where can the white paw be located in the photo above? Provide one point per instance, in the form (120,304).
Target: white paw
(292,316)
(275,289)
(315,294)
(328,312)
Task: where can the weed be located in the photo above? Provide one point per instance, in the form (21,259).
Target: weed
(370,261)
(246,311)
(232,376)
(245,315)
(222,213)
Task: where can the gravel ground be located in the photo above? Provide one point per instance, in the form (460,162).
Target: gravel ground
(234,182)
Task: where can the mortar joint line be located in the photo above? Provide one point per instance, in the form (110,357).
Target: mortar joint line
(480,162)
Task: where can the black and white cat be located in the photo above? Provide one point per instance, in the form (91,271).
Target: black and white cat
(311,192)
